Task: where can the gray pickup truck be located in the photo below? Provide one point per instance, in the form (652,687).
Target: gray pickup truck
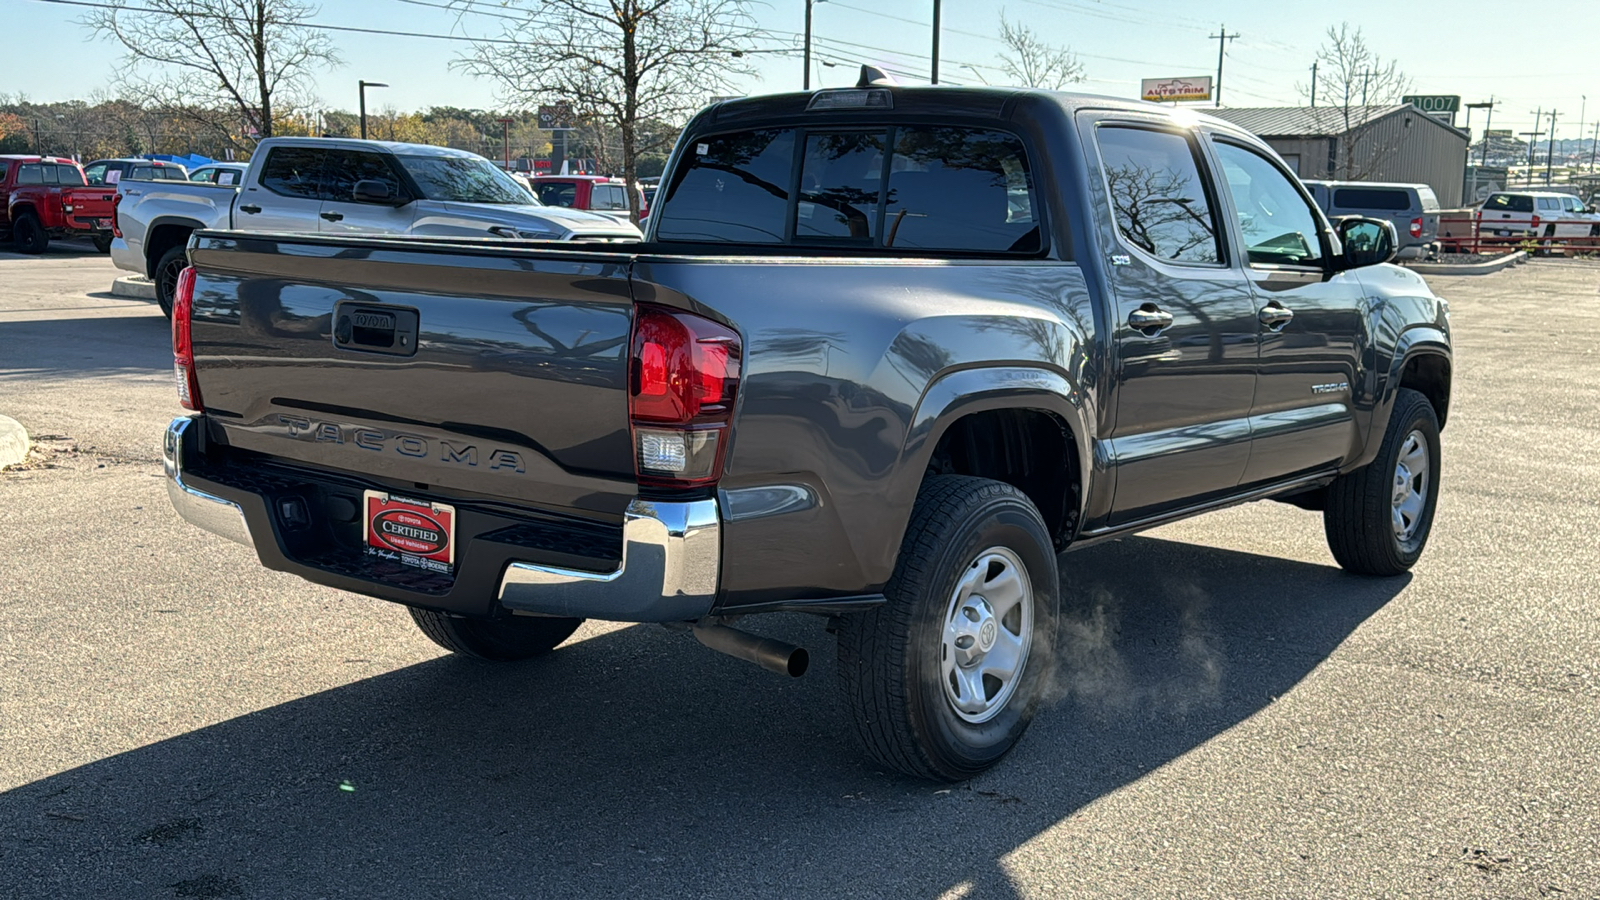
(340,186)
(884,353)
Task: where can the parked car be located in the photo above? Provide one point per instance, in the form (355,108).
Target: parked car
(341,186)
(220,173)
(1536,214)
(114,171)
(885,352)
(595,193)
(46,198)
(1413,208)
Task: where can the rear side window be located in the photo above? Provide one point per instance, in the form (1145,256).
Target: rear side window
(169,173)
(907,187)
(1509,203)
(293,172)
(70,175)
(31,174)
(346,167)
(1157,194)
(1372,198)
(1430,200)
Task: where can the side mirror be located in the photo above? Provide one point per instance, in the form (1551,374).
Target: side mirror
(371,190)
(1367,242)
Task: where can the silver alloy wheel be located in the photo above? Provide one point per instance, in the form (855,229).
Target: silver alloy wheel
(1410,495)
(988,632)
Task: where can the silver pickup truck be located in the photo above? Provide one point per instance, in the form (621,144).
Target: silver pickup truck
(335,186)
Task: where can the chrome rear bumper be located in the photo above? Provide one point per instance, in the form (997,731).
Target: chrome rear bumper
(208,511)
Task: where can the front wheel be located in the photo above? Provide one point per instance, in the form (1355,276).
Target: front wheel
(943,679)
(501,640)
(1378,517)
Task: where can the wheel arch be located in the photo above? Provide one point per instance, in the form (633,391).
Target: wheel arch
(162,234)
(1422,362)
(1022,425)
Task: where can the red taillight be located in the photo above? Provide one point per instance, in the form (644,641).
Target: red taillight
(683,381)
(1535,223)
(183,342)
(1416,228)
(116,230)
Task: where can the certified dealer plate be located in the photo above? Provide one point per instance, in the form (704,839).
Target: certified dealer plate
(413,532)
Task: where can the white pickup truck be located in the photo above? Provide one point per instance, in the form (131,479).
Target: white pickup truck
(338,186)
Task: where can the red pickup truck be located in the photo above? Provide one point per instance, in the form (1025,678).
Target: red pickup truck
(47,197)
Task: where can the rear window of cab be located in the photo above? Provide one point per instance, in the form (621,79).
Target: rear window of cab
(1509,202)
(916,188)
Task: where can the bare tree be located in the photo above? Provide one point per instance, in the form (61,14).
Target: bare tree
(618,63)
(1031,62)
(249,58)
(1351,76)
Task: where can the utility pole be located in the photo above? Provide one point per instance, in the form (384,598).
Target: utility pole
(1583,112)
(505,136)
(1365,78)
(1222,45)
(1550,150)
(1486,126)
(1313,84)
(363,91)
(805,83)
(1594,145)
(935,41)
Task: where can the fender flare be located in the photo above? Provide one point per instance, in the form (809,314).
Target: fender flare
(1422,340)
(955,395)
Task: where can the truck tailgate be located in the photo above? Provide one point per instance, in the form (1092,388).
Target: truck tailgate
(90,207)
(460,368)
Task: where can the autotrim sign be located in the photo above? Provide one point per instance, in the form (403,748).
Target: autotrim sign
(1179,89)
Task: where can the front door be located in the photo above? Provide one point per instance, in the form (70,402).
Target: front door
(289,196)
(1312,324)
(342,214)
(1185,328)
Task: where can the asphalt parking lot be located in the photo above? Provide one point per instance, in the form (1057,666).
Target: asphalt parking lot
(1232,716)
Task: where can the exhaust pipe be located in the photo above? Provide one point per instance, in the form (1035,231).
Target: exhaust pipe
(768,653)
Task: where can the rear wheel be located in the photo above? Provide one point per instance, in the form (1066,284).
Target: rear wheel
(168,268)
(501,640)
(942,680)
(29,236)
(1378,517)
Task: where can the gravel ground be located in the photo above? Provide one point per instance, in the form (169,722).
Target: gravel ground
(1232,716)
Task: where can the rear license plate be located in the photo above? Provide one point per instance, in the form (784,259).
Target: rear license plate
(412,532)
(102,223)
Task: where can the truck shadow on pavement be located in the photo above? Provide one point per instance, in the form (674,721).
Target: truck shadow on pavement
(100,344)
(637,764)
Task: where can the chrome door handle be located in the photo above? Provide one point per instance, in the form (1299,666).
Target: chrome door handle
(1149,319)
(251,209)
(1274,316)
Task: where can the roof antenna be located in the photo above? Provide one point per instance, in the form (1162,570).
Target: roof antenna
(872,76)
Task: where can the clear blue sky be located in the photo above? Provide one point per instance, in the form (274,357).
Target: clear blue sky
(1446,47)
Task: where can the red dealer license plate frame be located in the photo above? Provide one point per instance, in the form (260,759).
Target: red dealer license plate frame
(384,523)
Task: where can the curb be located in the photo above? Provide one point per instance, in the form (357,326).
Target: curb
(1483,268)
(135,286)
(13,442)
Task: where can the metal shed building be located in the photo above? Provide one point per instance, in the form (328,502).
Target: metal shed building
(1362,143)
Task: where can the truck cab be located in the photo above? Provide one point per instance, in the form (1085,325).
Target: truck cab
(595,193)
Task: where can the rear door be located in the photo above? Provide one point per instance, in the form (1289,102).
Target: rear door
(288,196)
(1185,328)
(1302,419)
(342,214)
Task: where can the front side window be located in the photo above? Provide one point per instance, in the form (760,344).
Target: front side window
(557,194)
(96,174)
(294,172)
(1157,194)
(346,167)
(203,175)
(464,179)
(1279,226)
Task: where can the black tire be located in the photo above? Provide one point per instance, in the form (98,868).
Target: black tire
(29,236)
(890,658)
(165,275)
(500,640)
(1359,517)
(102,242)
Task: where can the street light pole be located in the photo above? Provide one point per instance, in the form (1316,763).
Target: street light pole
(505,132)
(364,85)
